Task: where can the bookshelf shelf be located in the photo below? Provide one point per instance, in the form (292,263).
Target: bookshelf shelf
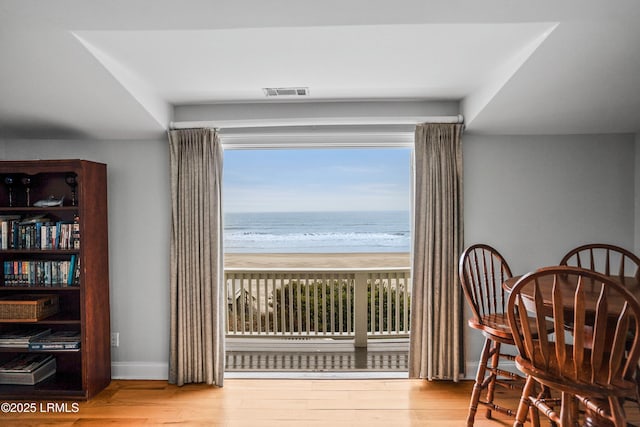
(61,318)
(49,252)
(54,288)
(61,251)
(24,350)
(34,209)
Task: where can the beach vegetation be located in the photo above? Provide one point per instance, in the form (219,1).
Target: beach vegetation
(327,307)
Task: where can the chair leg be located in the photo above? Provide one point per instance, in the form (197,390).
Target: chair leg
(617,412)
(523,407)
(534,414)
(567,410)
(575,409)
(637,396)
(495,360)
(477,386)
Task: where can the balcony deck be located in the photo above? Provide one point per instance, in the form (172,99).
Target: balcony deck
(258,358)
(317,315)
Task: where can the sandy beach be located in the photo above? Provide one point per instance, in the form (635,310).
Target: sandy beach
(317,260)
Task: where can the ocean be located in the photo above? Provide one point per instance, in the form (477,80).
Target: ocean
(317,232)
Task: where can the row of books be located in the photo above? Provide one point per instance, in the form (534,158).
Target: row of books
(37,338)
(58,273)
(38,232)
(27,369)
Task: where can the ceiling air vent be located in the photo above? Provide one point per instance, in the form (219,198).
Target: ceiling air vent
(286,91)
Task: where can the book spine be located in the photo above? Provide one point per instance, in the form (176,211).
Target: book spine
(15,235)
(56,243)
(52,236)
(75,233)
(72,267)
(54,346)
(16,272)
(4,233)
(38,236)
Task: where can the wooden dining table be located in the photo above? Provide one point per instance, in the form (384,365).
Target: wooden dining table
(591,289)
(592,293)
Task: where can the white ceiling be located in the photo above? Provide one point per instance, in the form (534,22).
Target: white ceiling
(116,69)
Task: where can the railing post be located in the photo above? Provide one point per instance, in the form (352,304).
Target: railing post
(360,309)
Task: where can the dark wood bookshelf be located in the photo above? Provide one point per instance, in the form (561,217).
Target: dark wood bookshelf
(81,373)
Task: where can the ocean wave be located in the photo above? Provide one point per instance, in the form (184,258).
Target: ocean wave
(318,232)
(313,236)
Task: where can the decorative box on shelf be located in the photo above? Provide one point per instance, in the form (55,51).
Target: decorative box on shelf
(28,307)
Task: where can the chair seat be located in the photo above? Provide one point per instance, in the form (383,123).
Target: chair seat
(564,378)
(497,326)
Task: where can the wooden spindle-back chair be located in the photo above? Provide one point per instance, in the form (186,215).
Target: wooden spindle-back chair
(482,271)
(609,260)
(596,370)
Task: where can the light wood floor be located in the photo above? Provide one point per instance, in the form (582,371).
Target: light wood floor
(265,402)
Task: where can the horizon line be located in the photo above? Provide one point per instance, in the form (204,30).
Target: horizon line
(321,211)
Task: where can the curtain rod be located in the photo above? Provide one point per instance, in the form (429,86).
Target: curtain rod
(315,121)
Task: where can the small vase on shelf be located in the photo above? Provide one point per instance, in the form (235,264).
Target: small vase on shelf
(9,181)
(72,182)
(27,181)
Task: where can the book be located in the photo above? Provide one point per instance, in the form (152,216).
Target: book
(71,272)
(75,233)
(59,340)
(33,219)
(76,273)
(6,226)
(27,369)
(24,362)
(21,337)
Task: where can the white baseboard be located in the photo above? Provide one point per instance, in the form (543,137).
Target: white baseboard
(139,371)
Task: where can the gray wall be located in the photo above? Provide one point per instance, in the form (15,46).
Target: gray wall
(536,197)
(532,197)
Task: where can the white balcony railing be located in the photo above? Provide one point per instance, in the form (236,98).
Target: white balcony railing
(322,303)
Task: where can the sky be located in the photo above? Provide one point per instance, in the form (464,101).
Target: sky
(315,180)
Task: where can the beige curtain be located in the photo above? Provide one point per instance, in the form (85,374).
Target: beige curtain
(435,350)
(197,297)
